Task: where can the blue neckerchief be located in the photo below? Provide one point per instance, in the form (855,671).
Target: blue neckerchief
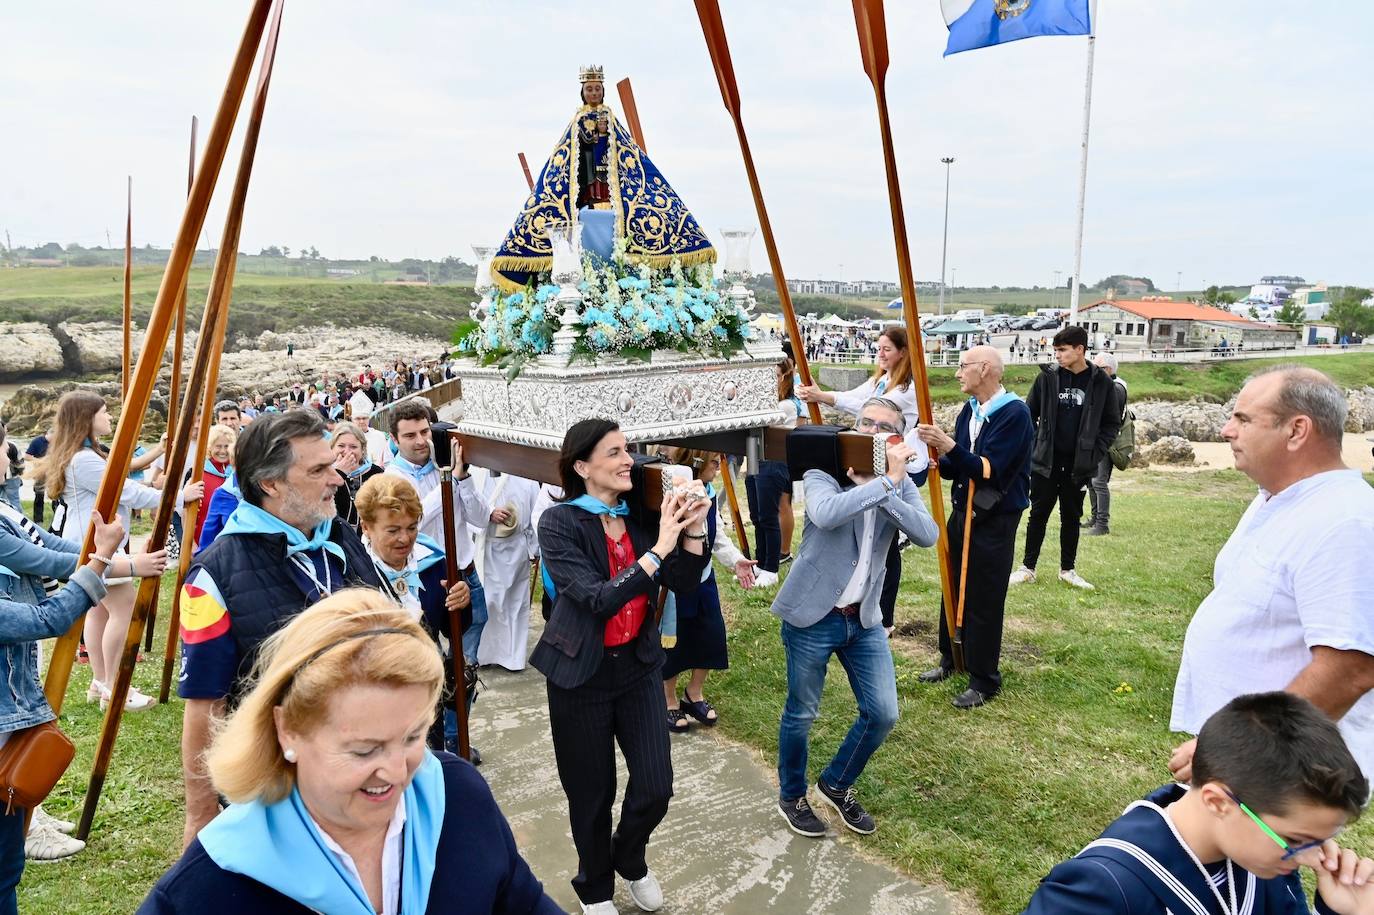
(231,485)
(363,468)
(247,518)
(983,411)
(880,387)
(424,554)
(280,846)
(711,488)
(210,468)
(590,503)
(415,473)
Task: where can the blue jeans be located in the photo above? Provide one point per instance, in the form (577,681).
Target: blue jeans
(867,658)
(10,492)
(11,860)
(471,639)
(765,490)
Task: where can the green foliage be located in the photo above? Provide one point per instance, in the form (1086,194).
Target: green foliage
(1290,313)
(1115,280)
(1349,314)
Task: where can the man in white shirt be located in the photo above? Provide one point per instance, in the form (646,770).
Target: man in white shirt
(1292,605)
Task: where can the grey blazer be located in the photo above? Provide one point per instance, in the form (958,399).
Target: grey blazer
(830,541)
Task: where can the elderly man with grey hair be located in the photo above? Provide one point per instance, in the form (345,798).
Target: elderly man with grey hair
(1292,602)
(281,550)
(829,606)
(987,461)
(1099,488)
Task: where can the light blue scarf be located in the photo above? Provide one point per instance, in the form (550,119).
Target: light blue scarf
(411,573)
(249,519)
(280,846)
(231,485)
(210,468)
(415,473)
(982,411)
(591,504)
(363,468)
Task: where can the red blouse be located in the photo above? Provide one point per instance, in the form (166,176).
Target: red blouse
(624,626)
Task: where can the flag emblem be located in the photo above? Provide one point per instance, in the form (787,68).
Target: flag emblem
(1011,8)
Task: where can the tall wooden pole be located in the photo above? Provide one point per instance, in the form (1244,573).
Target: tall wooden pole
(868,18)
(627,104)
(708,11)
(455,618)
(128,313)
(159,324)
(207,353)
(173,392)
(525,167)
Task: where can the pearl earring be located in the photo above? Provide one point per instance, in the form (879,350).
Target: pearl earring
(289,755)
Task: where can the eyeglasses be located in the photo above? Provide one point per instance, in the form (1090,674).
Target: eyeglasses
(866,424)
(969,365)
(1289,850)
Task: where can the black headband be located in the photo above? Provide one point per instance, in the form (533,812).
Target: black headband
(315,655)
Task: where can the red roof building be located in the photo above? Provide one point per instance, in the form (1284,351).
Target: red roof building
(1157,323)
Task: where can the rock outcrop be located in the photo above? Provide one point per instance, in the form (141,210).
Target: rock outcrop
(1170,449)
(28,349)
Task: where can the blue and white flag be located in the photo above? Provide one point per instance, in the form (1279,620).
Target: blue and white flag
(981,23)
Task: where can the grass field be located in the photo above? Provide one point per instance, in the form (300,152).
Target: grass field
(1214,381)
(260,302)
(984,802)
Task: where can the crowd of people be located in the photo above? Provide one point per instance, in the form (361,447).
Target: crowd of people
(320,632)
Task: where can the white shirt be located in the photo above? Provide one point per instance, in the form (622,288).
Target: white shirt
(790,416)
(391,858)
(854,591)
(410,601)
(1297,572)
(378,449)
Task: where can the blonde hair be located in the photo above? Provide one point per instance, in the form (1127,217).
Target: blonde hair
(387,492)
(344,427)
(220,433)
(72,430)
(325,649)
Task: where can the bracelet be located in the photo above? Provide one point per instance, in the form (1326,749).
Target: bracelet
(108,561)
(658,560)
(701,536)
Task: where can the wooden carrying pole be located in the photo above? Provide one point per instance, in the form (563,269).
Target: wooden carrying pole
(525,167)
(455,618)
(868,19)
(159,324)
(627,104)
(173,388)
(216,307)
(708,11)
(127,314)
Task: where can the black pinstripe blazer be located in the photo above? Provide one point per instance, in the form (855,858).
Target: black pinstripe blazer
(572,543)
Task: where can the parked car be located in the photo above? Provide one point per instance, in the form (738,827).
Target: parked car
(1045,324)
(1023,323)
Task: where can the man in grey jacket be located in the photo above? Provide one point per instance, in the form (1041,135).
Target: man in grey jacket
(829,606)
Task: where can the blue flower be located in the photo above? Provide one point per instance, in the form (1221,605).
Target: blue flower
(537,313)
(583,286)
(627,311)
(599,338)
(712,297)
(701,312)
(516,298)
(628,282)
(720,332)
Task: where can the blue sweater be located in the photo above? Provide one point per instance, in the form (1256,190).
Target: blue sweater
(477,869)
(1001,458)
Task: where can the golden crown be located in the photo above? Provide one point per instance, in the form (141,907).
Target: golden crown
(592,74)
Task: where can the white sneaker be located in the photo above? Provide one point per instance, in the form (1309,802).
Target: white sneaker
(134,702)
(600,908)
(1022,576)
(646,893)
(1071,577)
(765,579)
(41,820)
(50,845)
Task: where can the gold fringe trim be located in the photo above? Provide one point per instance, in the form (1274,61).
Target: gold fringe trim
(517,265)
(690,259)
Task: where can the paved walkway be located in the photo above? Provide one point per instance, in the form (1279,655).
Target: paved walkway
(723,847)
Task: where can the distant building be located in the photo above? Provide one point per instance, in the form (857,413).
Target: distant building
(1290,281)
(1132,288)
(1268,294)
(1156,322)
(842,287)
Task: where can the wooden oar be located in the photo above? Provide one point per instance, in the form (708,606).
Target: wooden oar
(128,312)
(525,167)
(868,18)
(173,388)
(216,309)
(455,617)
(708,11)
(627,104)
(159,324)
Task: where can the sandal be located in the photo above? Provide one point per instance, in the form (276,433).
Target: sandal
(701,710)
(677,721)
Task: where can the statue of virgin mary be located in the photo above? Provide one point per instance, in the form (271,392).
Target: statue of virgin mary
(598,173)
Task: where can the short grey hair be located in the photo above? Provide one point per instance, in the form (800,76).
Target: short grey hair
(886,404)
(1308,392)
(1108,361)
(264,452)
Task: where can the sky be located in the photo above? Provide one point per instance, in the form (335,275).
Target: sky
(1230,139)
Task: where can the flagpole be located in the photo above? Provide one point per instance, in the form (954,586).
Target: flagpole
(1083,169)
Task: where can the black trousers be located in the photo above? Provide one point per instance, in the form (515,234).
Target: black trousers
(1060,486)
(887,599)
(621,704)
(991,551)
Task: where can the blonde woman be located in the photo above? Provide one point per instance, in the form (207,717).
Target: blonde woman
(219,464)
(335,803)
(73,469)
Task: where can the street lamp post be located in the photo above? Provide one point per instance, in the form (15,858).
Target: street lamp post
(944,247)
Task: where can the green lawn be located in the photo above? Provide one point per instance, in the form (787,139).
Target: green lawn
(984,802)
(987,801)
(1214,381)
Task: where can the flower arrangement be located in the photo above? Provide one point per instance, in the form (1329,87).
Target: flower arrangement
(627,311)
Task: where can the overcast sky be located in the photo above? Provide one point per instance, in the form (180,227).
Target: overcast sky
(1230,138)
